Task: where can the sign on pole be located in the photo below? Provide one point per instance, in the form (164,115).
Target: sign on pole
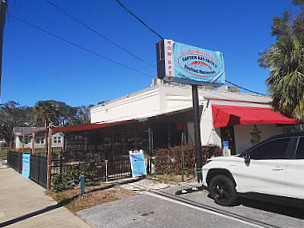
(137,163)
(188,64)
(26,165)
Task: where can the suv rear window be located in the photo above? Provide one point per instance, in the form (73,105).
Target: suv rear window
(275,149)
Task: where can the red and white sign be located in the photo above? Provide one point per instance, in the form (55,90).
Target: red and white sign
(169,58)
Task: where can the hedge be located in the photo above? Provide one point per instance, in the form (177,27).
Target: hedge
(168,161)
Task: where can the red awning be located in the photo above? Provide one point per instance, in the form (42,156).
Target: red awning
(86,127)
(235,115)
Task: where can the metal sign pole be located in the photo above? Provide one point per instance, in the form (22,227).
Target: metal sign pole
(197,135)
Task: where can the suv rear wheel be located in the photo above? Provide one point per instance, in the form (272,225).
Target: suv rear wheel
(222,190)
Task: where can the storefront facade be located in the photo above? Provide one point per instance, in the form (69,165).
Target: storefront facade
(167,108)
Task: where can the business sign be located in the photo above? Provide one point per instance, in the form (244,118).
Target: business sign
(137,163)
(26,165)
(188,64)
(225,144)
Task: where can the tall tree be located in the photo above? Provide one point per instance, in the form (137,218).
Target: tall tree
(46,112)
(83,115)
(13,115)
(285,61)
(60,114)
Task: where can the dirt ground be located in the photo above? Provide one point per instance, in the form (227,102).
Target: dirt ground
(103,193)
(106,192)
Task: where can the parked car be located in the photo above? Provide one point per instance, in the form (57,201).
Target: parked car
(274,167)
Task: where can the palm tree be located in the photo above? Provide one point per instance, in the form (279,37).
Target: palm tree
(285,61)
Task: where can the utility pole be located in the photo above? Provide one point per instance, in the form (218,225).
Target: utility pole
(3,7)
(197,134)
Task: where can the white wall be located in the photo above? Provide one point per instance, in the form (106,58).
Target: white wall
(242,134)
(208,133)
(163,98)
(41,143)
(143,104)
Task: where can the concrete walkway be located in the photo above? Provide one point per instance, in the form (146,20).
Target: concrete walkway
(24,204)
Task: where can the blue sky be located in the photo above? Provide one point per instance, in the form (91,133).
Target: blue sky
(37,66)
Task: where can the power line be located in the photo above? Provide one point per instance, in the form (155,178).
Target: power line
(106,58)
(139,19)
(97,33)
(78,46)
(153,31)
(246,89)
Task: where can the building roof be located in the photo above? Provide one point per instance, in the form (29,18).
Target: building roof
(18,131)
(86,127)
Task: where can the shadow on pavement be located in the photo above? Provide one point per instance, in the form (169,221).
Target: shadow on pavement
(292,211)
(63,203)
(285,208)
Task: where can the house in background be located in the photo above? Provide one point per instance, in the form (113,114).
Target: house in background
(2,143)
(24,138)
(166,108)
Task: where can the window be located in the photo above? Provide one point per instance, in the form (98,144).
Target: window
(59,139)
(37,140)
(300,149)
(26,140)
(276,149)
(55,139)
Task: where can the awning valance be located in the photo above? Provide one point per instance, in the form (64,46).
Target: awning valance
(224,115)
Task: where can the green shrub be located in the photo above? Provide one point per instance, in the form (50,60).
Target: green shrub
(70,179)
(169,161)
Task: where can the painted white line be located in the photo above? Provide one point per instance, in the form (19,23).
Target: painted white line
(205,210)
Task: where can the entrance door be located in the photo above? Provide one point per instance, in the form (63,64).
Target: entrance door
(227,134)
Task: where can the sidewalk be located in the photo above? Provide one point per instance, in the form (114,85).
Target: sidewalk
(24,204)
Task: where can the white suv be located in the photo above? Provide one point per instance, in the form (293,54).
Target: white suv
(272,167)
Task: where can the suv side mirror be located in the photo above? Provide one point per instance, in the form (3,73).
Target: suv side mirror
(247,158)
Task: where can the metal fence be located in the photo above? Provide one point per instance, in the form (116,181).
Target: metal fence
(38,169)
(119,168)
(14,160)
(103,170)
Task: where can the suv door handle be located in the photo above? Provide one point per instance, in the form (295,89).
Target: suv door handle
(277,168)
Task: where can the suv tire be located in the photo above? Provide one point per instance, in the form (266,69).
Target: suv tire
(222,190)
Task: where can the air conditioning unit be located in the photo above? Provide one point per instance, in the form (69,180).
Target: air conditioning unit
(231,89)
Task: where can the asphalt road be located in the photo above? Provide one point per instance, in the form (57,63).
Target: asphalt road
(149,210)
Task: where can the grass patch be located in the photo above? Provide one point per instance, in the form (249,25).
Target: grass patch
(95,195)
(167,178)
(3,154)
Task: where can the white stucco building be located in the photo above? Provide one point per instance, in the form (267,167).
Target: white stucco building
(239,110)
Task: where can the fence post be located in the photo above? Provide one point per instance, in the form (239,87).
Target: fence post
(23,136)
(49,162)
(33,140)
(106,163)
(82,183)
(60,163)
